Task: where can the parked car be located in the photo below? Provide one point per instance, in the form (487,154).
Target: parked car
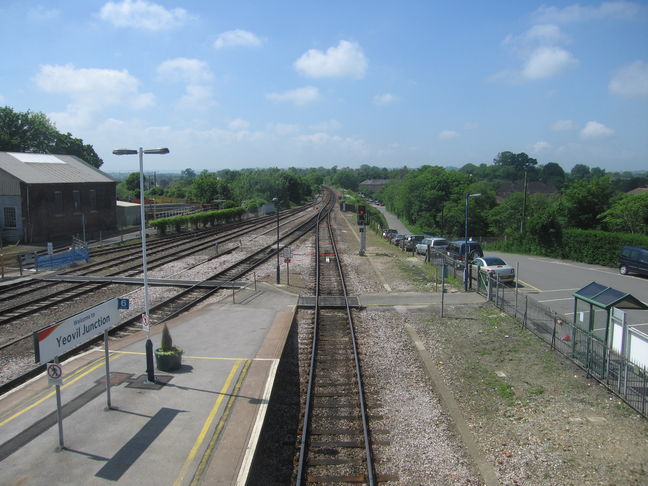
(495,267)
(411,241)
(633,260)
(434,242)
(457,250)
(387,232)
(396,239)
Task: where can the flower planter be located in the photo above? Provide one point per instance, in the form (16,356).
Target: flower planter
(168,360)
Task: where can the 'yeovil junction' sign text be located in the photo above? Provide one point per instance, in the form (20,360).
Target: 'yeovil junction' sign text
(57,339)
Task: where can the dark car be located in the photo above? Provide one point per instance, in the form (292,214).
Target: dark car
(388,232)
(396,239)
(633,260)
(411,241)
(457,250)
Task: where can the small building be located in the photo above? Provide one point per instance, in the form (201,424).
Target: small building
(45,197)
(372,185)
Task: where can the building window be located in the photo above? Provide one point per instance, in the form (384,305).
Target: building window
(76,201)
(93,199)
(10,220)
(58,203)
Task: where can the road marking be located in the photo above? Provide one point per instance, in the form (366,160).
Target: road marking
(184,356)
(209,450)
(530,286)
(51,394)
(555,300)
(206,426)
(256,430)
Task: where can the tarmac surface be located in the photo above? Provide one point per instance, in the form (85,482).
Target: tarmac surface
(198,425)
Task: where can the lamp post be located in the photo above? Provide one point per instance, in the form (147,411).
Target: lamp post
(276,202)
(150,369)
(468,196)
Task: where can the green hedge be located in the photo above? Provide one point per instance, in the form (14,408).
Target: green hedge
(587,246)
(598,247)
(197,220)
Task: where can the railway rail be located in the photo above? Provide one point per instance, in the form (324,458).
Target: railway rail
(187,298)
(335,436)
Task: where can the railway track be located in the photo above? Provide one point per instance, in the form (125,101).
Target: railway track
(188,298)
(126,261)
(335,437)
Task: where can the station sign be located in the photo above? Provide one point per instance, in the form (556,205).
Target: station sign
(65,335)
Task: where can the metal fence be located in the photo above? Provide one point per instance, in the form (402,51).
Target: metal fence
(627,380)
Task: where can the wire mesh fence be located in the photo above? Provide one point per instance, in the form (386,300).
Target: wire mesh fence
(627,380)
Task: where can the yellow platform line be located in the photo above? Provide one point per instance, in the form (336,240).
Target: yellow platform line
(209,450)
(206,426)
(51,394)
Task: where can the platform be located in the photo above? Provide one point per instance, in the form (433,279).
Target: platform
(195,426)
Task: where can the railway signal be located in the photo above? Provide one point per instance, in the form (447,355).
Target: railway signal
(362,215)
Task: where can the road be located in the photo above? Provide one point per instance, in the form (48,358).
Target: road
(552,282)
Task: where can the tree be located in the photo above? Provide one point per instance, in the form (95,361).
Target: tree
(34,132)
(552,173)
(580,171)
(629,214)
(207,187)
(584,200)
(512,166)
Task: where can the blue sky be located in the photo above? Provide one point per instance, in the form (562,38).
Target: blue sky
(294,83)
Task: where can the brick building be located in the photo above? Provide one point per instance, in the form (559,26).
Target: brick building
(46,197)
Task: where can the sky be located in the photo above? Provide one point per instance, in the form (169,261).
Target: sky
(253,84)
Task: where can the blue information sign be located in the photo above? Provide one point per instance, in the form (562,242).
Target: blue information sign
(123,304)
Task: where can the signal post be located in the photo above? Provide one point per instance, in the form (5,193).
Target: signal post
(362,221)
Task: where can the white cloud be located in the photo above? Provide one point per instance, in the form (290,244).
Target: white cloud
(238,124)
(196,74)
(448,134)
(193,71)
(196,97)
(547,62)
(326,126)
(94,88)
(594,129)
(334,144)
(140,14)
(347,60)
(539,51)
(563,125)
(237,38)
(583,13)
(283,129)
(299,96)
(540,146)
(384,99)
(631,80)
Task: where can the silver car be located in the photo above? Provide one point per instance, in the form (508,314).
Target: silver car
(495,267)
(434,242)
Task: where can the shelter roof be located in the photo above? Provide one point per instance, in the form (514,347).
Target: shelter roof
(33,168)
(607,297)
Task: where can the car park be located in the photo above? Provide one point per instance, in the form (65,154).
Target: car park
(434,242)
(409,244)
(387,232)
(396,239)
(633,260)
(458,250)
(495,267)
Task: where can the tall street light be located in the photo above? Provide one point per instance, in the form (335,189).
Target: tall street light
(468,196)
(276,203)
(150,368)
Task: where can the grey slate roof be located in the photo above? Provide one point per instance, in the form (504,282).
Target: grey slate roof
(50,169)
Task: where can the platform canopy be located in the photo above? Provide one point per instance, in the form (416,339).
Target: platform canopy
(606,297)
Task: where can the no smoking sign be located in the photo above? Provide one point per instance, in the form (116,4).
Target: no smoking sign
(54,374)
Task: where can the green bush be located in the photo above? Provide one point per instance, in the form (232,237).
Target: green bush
(197,220)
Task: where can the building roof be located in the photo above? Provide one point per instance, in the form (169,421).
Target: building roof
(50,169)
(638,190)
(374,182)
(606,297)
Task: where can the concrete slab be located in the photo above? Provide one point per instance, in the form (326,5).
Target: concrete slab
(170,435)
